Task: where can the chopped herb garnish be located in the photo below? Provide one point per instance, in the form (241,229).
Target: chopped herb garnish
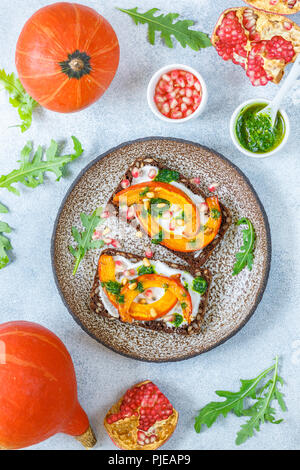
(178,319)
(145,191)
(183,305)
(165,286)
(114,288)
(199,285)
(158,211)
(140,287)
(215,214)
(186,286)
(180,216)
(166,176)
(203,228)
(145,270)
(158,238)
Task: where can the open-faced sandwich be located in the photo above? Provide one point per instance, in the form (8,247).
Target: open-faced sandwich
(152,294)
(171,209)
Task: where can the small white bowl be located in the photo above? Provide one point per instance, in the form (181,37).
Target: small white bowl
(151,91)
(234,136)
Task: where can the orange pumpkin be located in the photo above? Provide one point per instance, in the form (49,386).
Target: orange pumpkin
(66,56)
(38,389)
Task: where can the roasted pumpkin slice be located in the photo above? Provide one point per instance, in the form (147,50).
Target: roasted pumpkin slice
(159,191)
(106,273)
(190,243)
(170,284)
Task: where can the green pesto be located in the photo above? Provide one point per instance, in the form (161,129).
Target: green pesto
(255,133)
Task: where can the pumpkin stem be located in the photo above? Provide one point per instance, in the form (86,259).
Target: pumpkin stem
(87,439)
(77,65)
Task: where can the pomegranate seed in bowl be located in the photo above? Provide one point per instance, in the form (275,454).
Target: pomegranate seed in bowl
(177,93)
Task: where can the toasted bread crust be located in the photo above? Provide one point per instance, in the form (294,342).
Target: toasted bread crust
(97,306)
(226,216)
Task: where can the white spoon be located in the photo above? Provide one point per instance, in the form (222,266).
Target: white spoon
(272,108)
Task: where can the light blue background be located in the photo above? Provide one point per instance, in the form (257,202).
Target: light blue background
(27,289)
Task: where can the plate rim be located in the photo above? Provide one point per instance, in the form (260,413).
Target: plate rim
(259,295)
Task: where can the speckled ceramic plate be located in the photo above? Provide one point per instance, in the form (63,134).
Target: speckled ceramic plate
(232,299)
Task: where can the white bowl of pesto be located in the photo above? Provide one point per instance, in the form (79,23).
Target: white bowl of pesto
(255,138)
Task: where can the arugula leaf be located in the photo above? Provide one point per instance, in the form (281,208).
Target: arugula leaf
(84,239)
(166,176)
(5,244)
(18,98)
(245,255)
(260,412)
(3,209)
(32,169)
(165,24)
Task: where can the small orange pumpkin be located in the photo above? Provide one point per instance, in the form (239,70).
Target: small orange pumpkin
(66,56)
(38,389)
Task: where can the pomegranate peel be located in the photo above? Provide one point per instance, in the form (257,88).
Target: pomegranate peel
(143,419)
(282,7)
(262,43)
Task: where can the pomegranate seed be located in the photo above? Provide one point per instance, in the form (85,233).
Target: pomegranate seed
(149,293)
(130,213)
(166,77)
(105,215)
(189,112)
(213,187)
(180,82)
(125,184)
(148,253)
(173,103)
(115,243)
(183,107)
(107,241)
(203,207)
(195,180)
(197,100)
(174,74)
(159,98)
(172,225)
(190,79)
(135,172)
(197,86)
(182,92)
(152,173)
(169,88)
(188,92)
(187,100)
(97,235)
(166,108)
(171,95)
(176,114)
(287,25)
(119,264)
(132,272)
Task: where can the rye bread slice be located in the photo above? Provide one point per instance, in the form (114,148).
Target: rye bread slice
(97,306)
(226,216)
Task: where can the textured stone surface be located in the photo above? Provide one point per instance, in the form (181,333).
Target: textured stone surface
(27,289)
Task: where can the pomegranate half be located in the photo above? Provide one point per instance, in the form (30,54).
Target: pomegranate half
(262,43)
(283,7)
(143,419)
